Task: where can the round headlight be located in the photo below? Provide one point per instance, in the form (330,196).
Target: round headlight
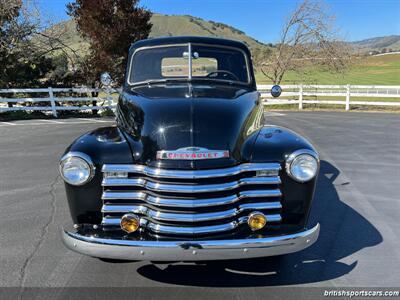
(76,168)
(302,165)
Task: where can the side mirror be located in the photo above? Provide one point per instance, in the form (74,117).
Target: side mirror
(106,79)
(276,91)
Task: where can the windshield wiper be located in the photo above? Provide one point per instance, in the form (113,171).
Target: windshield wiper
(160,81)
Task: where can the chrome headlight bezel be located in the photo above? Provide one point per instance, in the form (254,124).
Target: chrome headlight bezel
(81,157)
(295,156)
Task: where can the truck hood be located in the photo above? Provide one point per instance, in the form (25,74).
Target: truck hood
(165,117)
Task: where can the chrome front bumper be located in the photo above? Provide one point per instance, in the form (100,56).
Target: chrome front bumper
(190,251)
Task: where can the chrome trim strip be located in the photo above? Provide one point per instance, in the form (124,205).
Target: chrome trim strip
(189,230)
(159,201)
(164,229)
(180,188)
(192,174)
(188,217)
(190,250)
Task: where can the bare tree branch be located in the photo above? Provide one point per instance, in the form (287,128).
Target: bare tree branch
(308,38)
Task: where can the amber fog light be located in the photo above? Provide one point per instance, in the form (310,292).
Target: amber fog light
(130,223)
(256,220)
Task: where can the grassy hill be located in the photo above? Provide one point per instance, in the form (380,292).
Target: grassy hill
(69,36)
(173,25)
(379,43)
(383,70)
(164,25)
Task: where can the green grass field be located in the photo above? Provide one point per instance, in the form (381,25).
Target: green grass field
(377,70)
(373,70)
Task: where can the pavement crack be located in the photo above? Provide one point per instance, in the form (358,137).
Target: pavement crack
(43,233)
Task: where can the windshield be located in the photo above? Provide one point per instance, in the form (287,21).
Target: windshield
(188,62)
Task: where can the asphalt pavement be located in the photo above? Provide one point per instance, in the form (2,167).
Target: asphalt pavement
(357,204)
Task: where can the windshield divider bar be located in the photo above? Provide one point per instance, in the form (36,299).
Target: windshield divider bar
(190,60)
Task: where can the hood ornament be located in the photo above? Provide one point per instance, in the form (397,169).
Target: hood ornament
(192,153)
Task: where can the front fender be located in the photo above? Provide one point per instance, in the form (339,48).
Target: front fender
(103,145)
(275,144)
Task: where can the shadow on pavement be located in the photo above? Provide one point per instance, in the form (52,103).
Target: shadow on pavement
(343,232)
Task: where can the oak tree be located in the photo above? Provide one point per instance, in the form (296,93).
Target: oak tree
(110,26)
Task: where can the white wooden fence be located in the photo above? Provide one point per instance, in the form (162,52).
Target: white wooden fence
(298,94)
(56,102)
(304,94)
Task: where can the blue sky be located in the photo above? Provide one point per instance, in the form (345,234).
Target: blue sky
(263,19)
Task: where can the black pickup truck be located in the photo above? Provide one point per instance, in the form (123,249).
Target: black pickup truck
(190,172)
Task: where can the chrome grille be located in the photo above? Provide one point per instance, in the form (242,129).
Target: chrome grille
(190,202)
